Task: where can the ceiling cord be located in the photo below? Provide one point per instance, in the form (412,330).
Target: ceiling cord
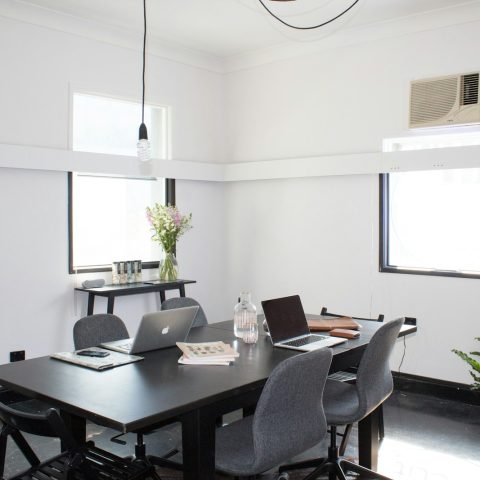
(311,27)
(144,47)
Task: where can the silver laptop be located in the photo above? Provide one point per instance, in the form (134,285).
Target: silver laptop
(289,328)
(157,330)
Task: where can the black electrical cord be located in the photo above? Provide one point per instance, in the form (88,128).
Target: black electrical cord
(144,48)
(403,355)
(313,26)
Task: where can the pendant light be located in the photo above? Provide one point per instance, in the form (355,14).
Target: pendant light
(312,27)
(143,144)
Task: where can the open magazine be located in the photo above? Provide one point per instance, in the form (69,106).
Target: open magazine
(207,353)
(113,359)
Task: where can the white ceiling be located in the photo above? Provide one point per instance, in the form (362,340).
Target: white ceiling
(226,28)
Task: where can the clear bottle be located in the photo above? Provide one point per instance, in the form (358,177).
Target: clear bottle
(244,315)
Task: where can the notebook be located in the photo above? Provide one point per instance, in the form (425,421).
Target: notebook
(288,326)
(157,330)
(329,323)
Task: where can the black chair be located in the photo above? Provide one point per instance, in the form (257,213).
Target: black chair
(350,376)
(91,331)
(288,419)
(79,462)
(200,319)
(346,403)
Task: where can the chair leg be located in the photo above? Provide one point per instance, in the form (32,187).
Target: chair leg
(354,467)
(165,462)
(25,448)
(315,463)
(339,472)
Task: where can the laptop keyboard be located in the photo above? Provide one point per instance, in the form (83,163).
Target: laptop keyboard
(300,342)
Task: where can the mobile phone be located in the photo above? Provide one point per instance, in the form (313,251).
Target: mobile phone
(93,353)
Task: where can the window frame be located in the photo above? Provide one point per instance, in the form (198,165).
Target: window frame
(384,236)
(169,200)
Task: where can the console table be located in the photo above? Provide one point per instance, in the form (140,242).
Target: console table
(112,291)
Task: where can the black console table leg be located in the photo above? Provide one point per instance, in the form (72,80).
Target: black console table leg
(162,296)
(111,301)
(182,290)
(91,303)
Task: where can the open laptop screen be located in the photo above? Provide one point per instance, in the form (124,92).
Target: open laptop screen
(285,318)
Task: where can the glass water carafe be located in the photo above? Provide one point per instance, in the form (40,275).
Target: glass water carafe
(245,319)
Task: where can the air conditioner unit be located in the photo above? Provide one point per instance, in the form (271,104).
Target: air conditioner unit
(443,101)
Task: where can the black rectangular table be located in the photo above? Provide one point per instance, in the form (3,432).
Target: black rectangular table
(112,291)
(144,394)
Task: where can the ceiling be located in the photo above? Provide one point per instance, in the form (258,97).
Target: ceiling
(226,28)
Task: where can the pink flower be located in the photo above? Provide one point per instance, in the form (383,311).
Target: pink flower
(177,219)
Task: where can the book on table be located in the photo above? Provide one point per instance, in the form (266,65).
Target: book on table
(207,353)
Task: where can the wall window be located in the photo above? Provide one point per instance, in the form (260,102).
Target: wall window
(107,219)
(429,219)
(109,125)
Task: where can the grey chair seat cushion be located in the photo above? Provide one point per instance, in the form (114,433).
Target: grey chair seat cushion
(236,437)
(340,402)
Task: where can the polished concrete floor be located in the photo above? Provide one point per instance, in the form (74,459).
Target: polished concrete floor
(426,439)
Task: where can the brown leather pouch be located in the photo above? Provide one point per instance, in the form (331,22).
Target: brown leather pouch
(342,332)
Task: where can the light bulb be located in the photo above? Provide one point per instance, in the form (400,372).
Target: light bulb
(143,145)
(143,150)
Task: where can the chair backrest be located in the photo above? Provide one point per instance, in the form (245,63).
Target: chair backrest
(200,319)
(380,318)
(374,377)
(289,417)
(93,330)
(48,424)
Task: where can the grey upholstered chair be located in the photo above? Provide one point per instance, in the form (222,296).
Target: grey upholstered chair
(350,376)
(346,403)
(200,319)
(93,330)
(288,419)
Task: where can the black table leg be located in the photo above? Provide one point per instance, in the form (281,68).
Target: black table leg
(111,301)
(181,288)
(76,425)
(198,440)
(368,441)
(162,296)
(91,303)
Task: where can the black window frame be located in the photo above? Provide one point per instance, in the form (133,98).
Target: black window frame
(170,199)
(384,236)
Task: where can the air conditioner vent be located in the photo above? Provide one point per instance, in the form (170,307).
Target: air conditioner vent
(470,89)
(444,101)
(432,100)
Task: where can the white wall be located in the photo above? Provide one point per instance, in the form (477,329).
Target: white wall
(319,236)
(39,68)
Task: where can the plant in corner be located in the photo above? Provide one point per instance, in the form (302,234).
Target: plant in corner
(167,225)
(474,364)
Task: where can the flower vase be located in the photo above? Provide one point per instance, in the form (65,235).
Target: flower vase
(168,267)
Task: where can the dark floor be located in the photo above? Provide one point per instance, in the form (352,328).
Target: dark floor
(426,439)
